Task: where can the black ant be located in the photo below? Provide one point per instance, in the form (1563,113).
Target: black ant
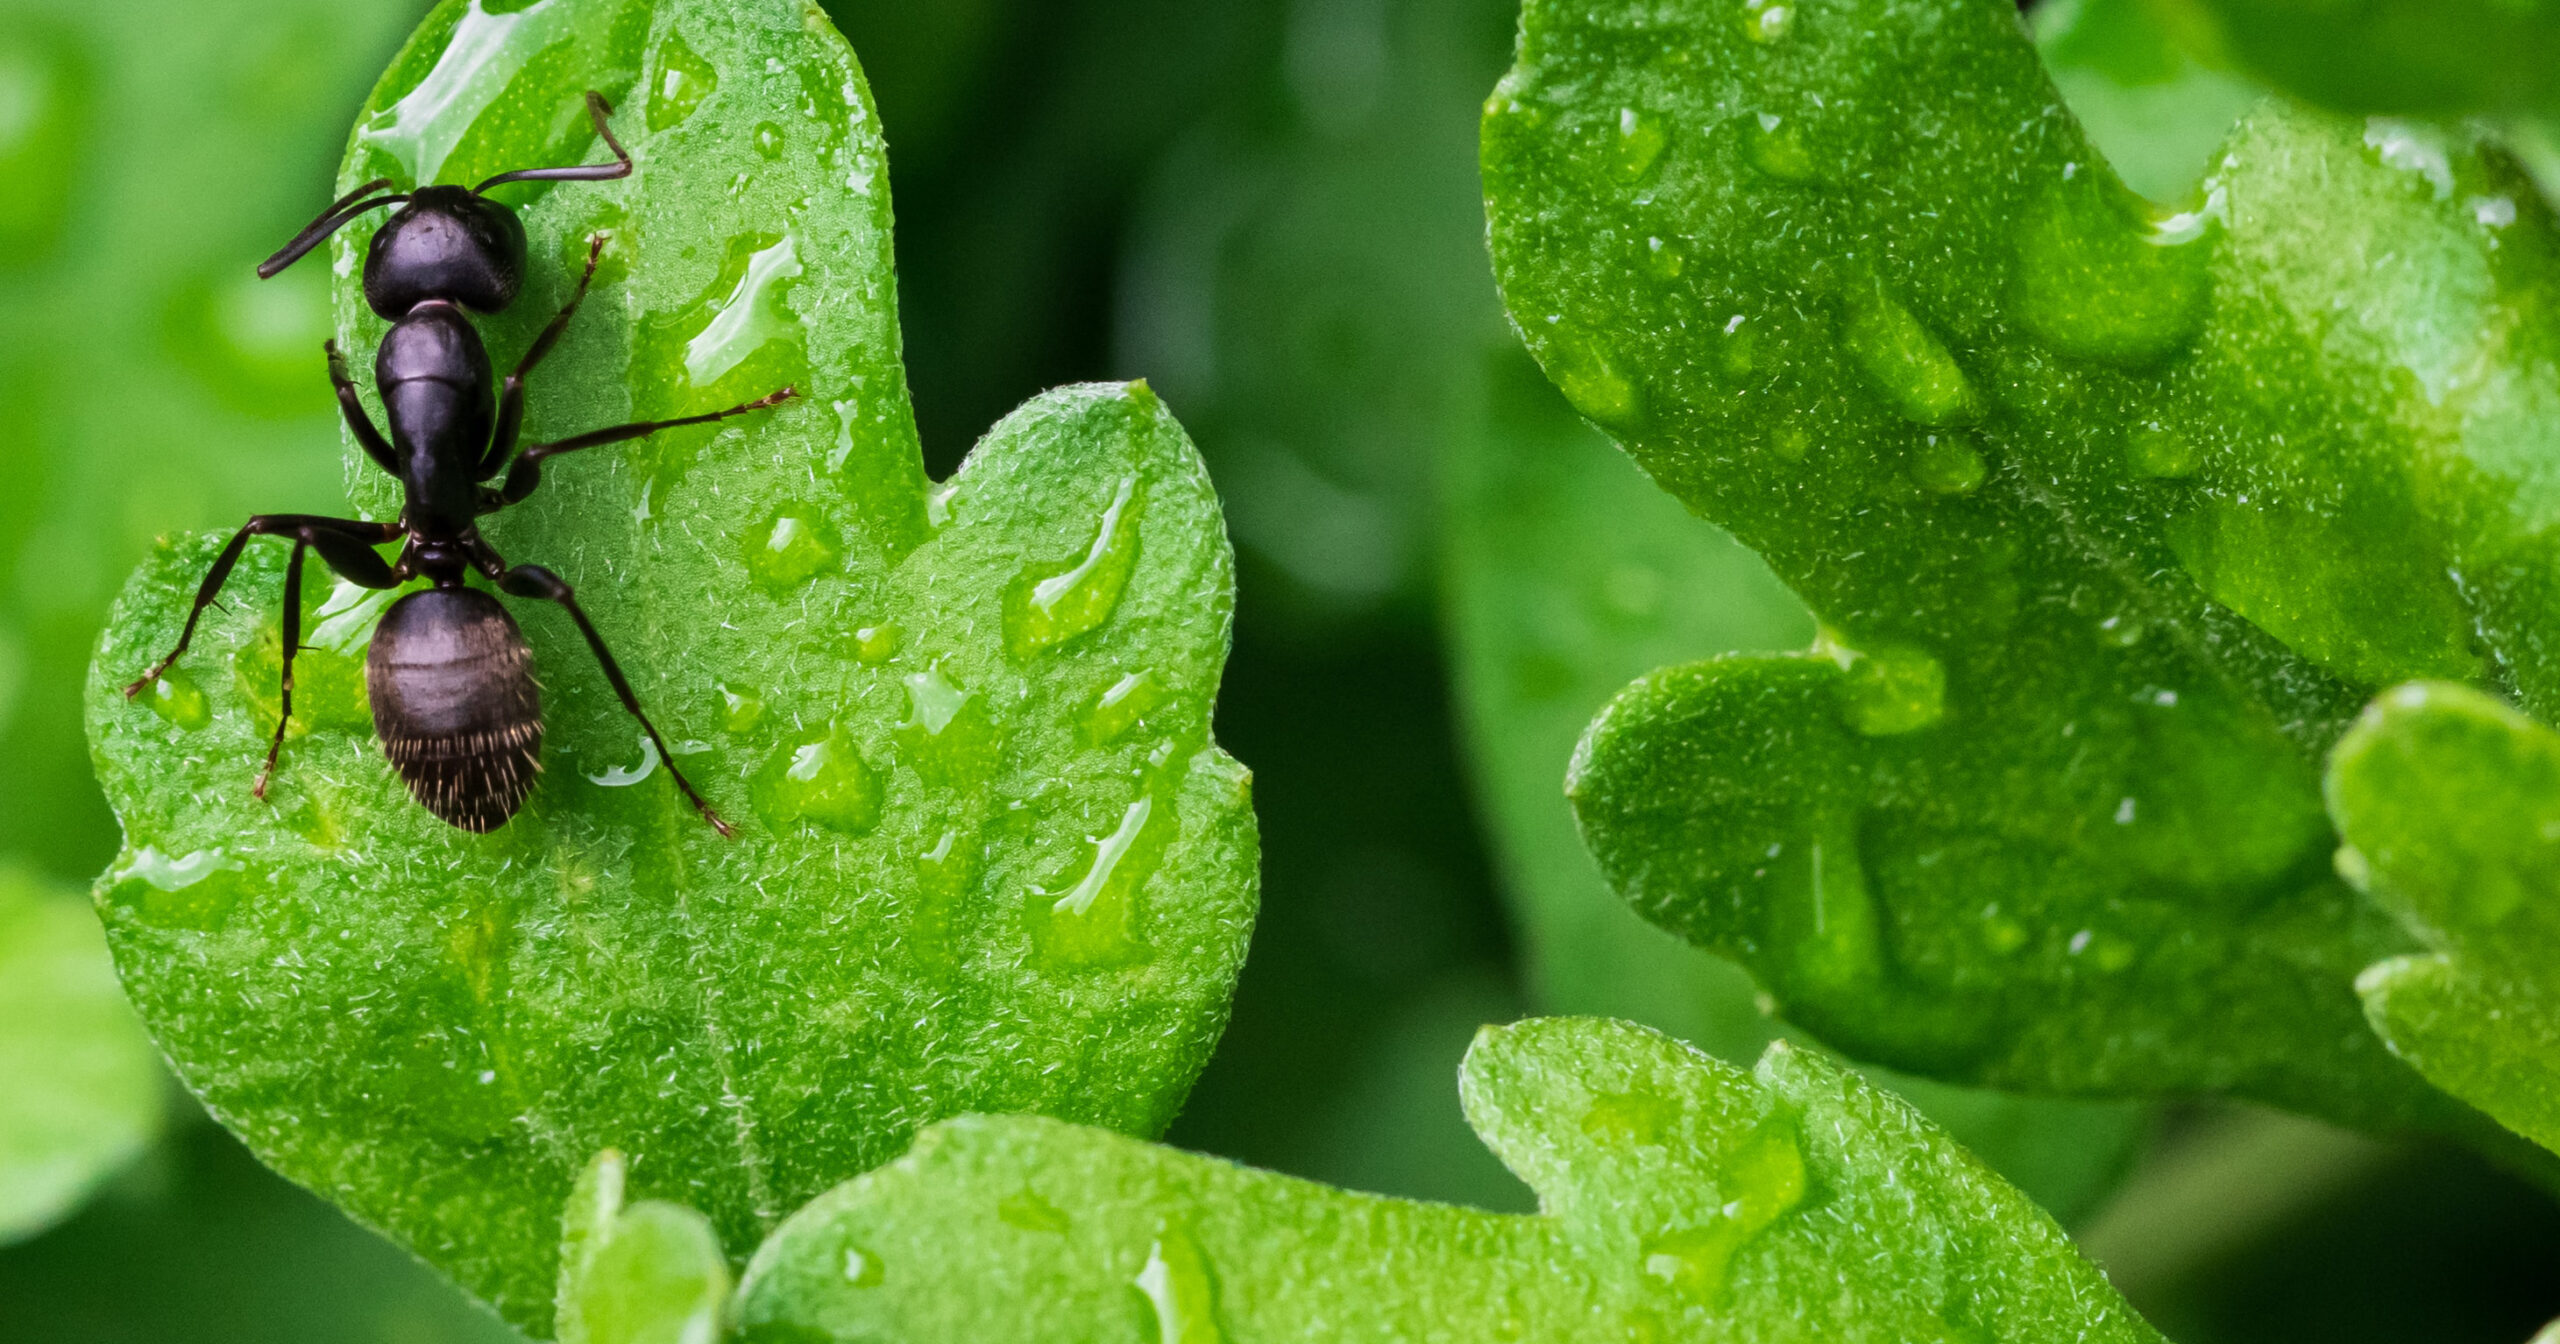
(449,674)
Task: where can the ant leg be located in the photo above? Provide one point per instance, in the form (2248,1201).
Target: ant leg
(358,423)
(527,471)
(597,110)
(511,398)
(292,646)
(302,526)
(536,582)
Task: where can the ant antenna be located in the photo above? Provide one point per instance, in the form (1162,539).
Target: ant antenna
(345,208)
(599,109)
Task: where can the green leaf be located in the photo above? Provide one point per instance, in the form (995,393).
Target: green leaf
(2154,109)
(2450,802)
(989,858)
(83,1092)
(2435,58)
(1569,573)
(2112,519)
(1683,1198)
(648,1273)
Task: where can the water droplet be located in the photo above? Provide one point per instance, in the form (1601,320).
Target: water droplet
(1759,1183)
(44,112)
(1176,1283)
(177,698)
(2105,952)
(490,102)
(1092,923)
(1663,259)
(193,891)
(824,781)
(877,644)
(623,777)
(1043,608)
(1906,363)
(1627,1119)
(948,736)
(1025,1209)
(751,315)
(2160,454)
(1768,21)
(1889,688)
(1639,142)
(1592,381)
(1775,145)
(1122,706)
(949,869)
(1948,464)
(683,81)
(790,549)
(2100,278)
(769,140)
(1830,935)
(2121,632)
(741,708)
(862,1268)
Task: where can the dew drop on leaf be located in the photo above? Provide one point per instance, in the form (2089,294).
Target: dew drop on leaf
(1948,464)
(1638,144)
(1091,921)
(683,81)
(2100,279)
(877,644)
(1905,362)
(788,550)
(1121,706)
(823,780)
(1775,145)
(1176,1283)
(1761,1182)
(1768,21)
(177,698)
(1048,606)
(192,891)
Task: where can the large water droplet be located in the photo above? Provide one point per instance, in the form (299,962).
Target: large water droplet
(1122,706)
(1906,363)
(500,94)
(1092,921)
(177,698)
(736,341)
(683,80)
(1176,1283)
(1046,607)
(2099,277)
(822,780)
(193,891)
(1761,1181)
(741,708)
(789,549)
(751,314)
(949,736)
(1775,145)
(1592,381)
(874,645)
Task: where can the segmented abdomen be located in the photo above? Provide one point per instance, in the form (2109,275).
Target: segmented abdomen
(456,705)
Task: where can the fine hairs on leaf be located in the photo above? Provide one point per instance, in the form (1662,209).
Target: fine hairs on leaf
(989,858)
(2112,516)
(2450,802)
(1683,1198)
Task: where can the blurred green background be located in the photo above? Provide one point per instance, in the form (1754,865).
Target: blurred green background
(1269,209)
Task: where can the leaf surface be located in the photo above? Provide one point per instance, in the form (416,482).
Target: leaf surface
(1683,1199)
(2450,800)
(83,1093)
(2111,519)
(989,859)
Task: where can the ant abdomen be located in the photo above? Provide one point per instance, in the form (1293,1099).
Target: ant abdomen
(455,704)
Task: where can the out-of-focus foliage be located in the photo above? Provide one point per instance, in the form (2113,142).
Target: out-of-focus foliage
(2150,105)
(2062,478)
(2426,58)
(1681,1199)
(2450,801)
(989,858)
(645,1273)
(81,1090)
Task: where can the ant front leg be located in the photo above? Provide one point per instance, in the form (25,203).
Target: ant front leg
(536,582)
(527,471)
(345,543)
(511,396)
(358,423)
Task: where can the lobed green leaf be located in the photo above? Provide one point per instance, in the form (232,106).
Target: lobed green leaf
(989,860)
(2449,801)
(645,1273)
(83,1093)
(2111,519)
(1682,1198)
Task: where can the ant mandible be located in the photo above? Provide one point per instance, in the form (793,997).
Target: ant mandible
(449,674)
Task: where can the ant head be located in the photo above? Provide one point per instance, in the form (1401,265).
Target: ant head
(446,243)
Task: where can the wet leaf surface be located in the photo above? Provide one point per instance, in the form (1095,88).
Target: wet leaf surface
(989,859)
